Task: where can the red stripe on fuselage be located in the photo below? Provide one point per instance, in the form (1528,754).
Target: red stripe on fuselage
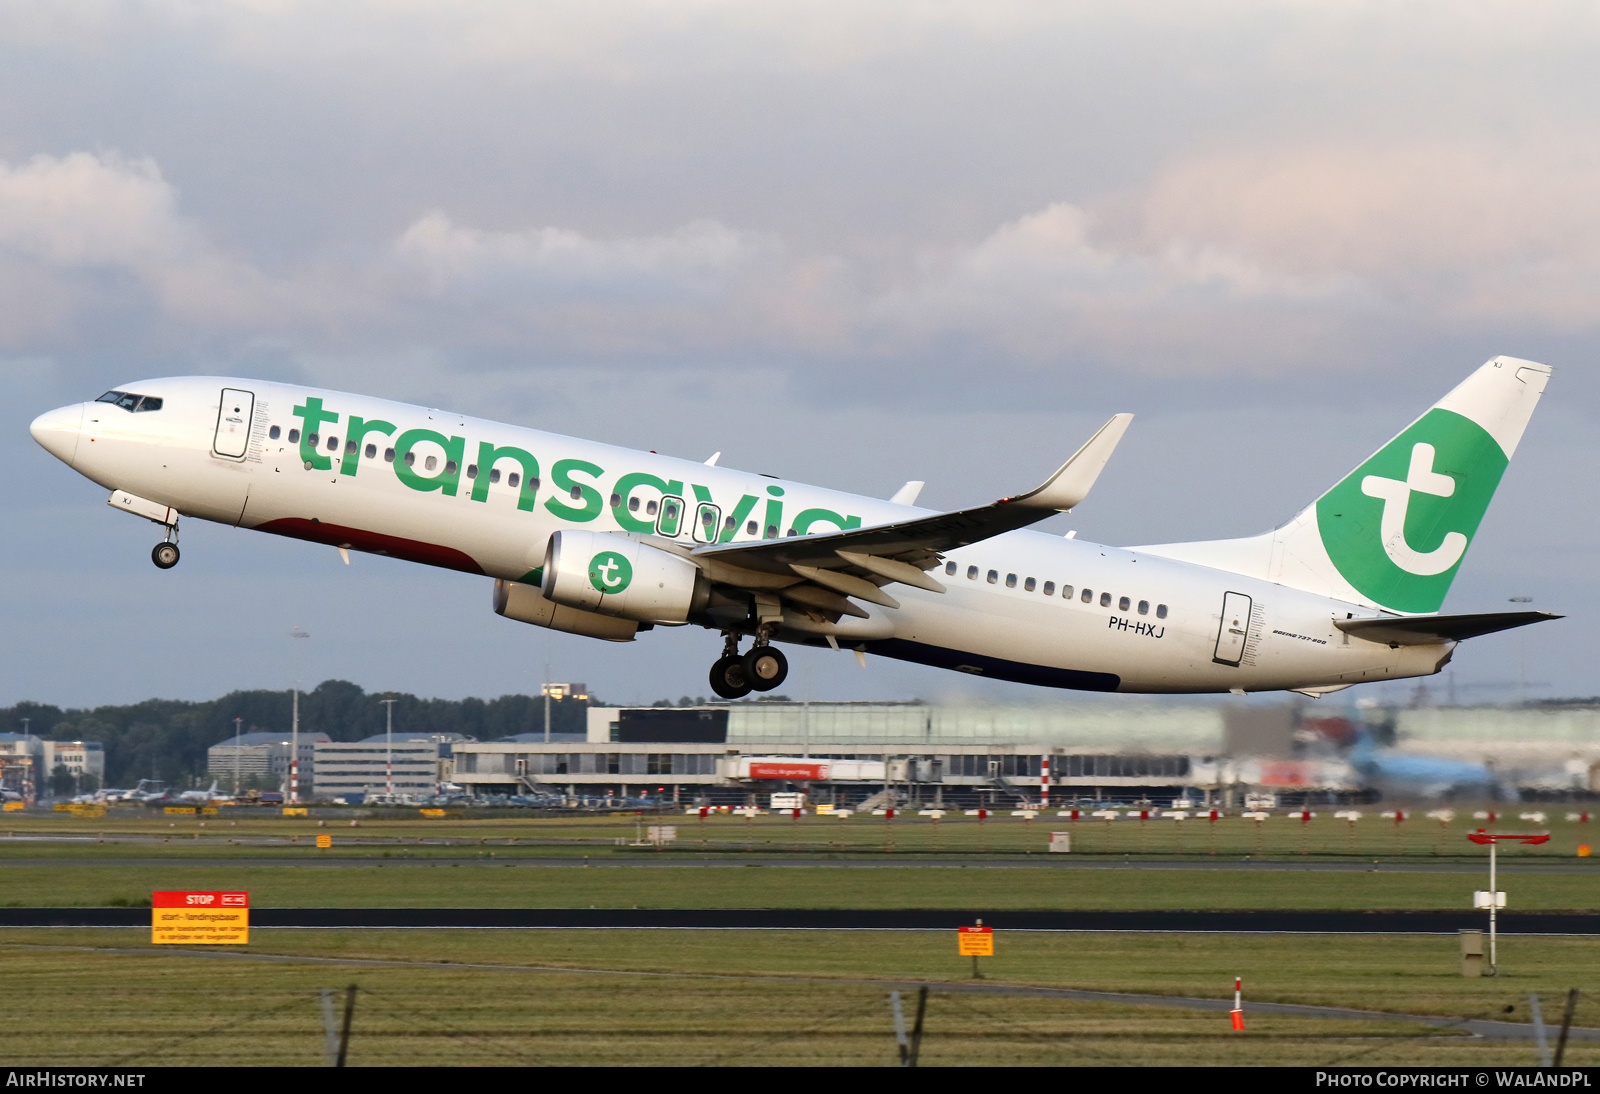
(357,539)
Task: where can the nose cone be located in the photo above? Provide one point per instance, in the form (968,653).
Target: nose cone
(58,431)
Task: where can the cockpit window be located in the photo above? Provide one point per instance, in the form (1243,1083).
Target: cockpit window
(130,402)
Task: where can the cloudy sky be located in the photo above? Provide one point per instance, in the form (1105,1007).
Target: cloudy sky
(846,243)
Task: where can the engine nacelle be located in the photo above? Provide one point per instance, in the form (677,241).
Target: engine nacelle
(526,604)
(615,575)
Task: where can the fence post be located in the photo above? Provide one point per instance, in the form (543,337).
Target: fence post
(344,1035)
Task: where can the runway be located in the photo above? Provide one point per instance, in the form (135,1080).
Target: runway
(846,919)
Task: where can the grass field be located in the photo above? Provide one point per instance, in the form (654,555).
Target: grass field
(770,997)
(373,834)
(767,997)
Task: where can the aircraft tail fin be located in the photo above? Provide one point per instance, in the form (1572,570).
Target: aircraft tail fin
(1392,533)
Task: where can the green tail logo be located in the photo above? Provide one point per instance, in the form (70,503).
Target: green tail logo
(1399,525)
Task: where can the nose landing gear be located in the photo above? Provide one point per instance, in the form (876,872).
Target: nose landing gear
(762,669)
(165,553)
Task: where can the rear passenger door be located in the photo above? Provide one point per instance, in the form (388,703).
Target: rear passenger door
(1235,626)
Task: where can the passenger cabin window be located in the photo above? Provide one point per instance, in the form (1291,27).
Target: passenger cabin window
(1011,581)
(333,444)
(616,501)
(649,507)
(993,576)
(1161,611)
(472,470)
(511,480)
(372,451)
(274,433)
(411,459)
(1028,585)
(772,531)
(1049,588)
(1066,591)
(729,524)
(450,467)
(633,505)
(430,463)
(1105,600)
(294,436)
(388,454)
(750,528)
(972,573)
(577,493)
(313,439)
(1123,604)
(1088,596)
(1144,607)
(949,569)
(350,448)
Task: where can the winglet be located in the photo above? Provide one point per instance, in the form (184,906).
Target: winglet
(1072,483)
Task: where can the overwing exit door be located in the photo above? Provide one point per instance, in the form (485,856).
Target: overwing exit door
(233,423)
(1235,626)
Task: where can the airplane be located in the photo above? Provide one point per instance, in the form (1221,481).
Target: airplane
(1400,774)
(204,797)
(607,542)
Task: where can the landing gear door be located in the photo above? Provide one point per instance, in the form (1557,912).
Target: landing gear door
(234,415)
(1235,625)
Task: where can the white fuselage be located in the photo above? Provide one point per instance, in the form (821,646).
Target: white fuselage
(1148,624)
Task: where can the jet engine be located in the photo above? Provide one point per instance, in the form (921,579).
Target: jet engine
(618,576)
(525,604)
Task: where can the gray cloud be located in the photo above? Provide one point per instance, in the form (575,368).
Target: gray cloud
(944,240)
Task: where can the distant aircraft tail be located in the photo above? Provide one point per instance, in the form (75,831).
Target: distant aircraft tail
(1392,533)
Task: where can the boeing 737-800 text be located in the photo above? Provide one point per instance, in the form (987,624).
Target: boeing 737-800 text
(607,542)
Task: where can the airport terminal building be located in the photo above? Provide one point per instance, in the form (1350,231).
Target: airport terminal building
(847,753)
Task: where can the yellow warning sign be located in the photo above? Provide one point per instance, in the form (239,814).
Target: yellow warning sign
(295,811)
(324,840)
(207,919)
(976,941)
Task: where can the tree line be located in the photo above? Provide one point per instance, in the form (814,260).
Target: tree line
(167,738)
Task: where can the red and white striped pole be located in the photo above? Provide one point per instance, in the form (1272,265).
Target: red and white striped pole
(1044,783)
(1237,1013)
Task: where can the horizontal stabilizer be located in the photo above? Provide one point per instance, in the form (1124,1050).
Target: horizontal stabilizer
(1424,630)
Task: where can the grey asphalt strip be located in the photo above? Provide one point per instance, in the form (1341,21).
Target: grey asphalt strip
(853,919)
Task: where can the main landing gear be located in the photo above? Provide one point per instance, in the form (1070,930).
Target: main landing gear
(734,675)
(165,553)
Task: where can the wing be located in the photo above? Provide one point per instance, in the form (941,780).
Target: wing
(820,571)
